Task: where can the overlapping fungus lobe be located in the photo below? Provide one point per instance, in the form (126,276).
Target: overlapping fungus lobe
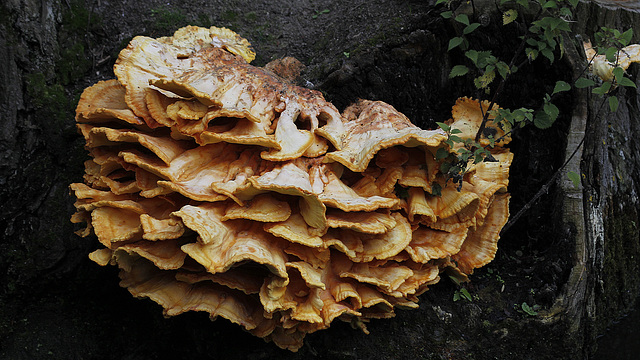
(217,186)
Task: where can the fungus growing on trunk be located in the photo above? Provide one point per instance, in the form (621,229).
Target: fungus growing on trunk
(217,186)
(603,68)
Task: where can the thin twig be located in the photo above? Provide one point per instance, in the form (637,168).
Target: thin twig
(547,185)
(544,189)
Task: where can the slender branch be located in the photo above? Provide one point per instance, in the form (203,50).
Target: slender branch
(473,7)
(545,188)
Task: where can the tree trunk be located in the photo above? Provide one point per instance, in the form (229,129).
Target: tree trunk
(575,253)
(605,278)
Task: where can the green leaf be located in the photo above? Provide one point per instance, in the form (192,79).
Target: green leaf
(483,81)
(481,151)
(436,189)
(625,38)
(455,42)
(318,13)
(611,54)
(478,158)
(557,24)
(455,138)
(503,69)
(523,114)
(442,153)
(472,55)
(462,18)
(458,70)
(455,280)
(509,16)
(565,11)
(541,45)
(456,170)
(550,5)
(551,23)
(470,28)
(446,14)
(542,120)
(603,89)
(549,38)
(624,81)
(456,131)
(548,54)
(613,103)
(563,25)
(575,178)
(465,293)
(443,126)
(440,2)
(582,83)
(574,3)
(618,73)
(528,309)
(551,110)
(560,87)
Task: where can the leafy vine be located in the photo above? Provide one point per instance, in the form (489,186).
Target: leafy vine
(545,35)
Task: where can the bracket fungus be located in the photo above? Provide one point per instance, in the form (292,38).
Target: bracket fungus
(603,68)
(218,186)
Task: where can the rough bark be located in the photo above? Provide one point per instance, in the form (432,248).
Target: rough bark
(605,281)
(580,261)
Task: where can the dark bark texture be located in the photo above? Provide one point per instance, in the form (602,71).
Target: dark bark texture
(576,252)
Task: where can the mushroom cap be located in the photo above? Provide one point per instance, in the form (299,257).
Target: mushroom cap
(105,102)
(373,126)
(481,244)
(262,208)
(146,60)
(296,230)
(142,279)
(601,67)
(224,38)
(427,244)
(361,221)
(363,247)
(337,194)
(467,115)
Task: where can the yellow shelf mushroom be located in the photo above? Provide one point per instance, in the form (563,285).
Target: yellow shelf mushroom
(217,186)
